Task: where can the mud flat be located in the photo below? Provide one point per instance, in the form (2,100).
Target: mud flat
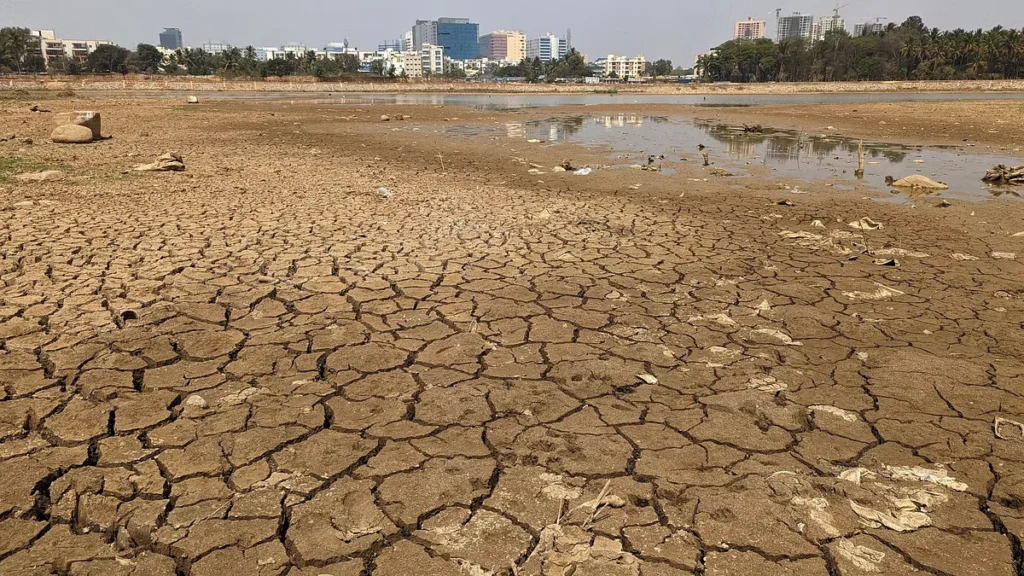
(266,364)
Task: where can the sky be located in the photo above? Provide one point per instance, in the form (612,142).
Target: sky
(673,29)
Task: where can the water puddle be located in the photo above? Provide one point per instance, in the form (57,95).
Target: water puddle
(790,155)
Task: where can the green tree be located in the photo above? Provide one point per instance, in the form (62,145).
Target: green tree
(148,58)
(14,47)
(64,65)
(107,58)
(661,68)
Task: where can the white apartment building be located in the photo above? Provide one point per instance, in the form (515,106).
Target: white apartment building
(547,47)
(52,47)
(828,24)
(433,61)
(623,67)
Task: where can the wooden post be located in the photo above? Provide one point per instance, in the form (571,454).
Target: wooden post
(860,161)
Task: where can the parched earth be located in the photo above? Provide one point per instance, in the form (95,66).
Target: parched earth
(262,366)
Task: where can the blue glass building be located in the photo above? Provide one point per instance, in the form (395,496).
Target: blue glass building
(459,37)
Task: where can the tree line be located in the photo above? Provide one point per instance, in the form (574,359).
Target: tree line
(909,51)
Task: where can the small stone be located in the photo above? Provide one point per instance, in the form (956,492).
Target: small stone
(192,100)
(71,134)
(385,118)
(196,401)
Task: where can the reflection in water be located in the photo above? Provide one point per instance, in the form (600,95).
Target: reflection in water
(788,154)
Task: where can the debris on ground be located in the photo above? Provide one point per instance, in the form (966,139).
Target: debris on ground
(383,192)
(648,378)
(917,181)
(71,134)
(866,224)
(881,293)
(169,162)
(890,262)
(557,169)
(385,118)
(1003,174)
(192,100)
(1003,422)
(962,257)
(533,141)
(36,108)
(945,204)
(567,166)
(755,129)
(1004,255)
(44,176)
(900,252)
(584,172)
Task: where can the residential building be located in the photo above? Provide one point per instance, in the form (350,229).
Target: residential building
(412,63)
(459,37)
(796,26)
(407,42)
(424,32)
(433,60)
(749,29)
(547,47)
(507,45)
(49,46)
(170,39)
(216,47)
(826,24)
(865,28)
(623,67)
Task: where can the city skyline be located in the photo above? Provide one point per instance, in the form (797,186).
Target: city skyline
(679,31)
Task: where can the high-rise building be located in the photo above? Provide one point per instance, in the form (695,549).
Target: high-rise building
(547,47)
(865,28)
(796,26)
(170,39)
(459,37)
(407,41)
(828,24)
(749,29)
(424,32)
(508,45)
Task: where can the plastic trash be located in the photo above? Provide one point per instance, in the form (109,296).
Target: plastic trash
(583,172)
(383,192)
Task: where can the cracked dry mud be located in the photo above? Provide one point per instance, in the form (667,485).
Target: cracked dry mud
(261,367)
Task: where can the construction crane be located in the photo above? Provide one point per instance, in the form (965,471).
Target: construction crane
(838,7)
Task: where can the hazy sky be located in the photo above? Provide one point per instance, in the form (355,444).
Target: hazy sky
(674,29)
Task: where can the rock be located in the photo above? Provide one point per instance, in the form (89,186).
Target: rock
(196,401)
(71,134)
(919,181)
(192,100)
(385,118)
(90,120)
(169,162)
(45,176)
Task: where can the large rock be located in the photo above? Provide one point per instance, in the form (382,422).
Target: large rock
(72,134)
(45,176)
(90,120)
(920,182)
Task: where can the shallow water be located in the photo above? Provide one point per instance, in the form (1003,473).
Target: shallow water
(516,101)
(794,156)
